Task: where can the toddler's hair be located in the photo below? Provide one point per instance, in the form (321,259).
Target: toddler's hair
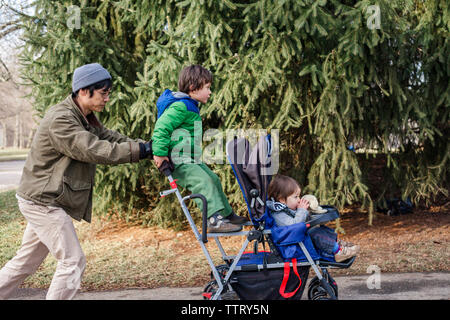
(193,77)
(282,187)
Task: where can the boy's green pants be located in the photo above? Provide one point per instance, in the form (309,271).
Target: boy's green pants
(198,178)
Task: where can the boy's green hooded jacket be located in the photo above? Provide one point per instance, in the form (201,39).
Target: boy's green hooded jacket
(178,130)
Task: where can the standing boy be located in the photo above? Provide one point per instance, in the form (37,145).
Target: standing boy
(179,117)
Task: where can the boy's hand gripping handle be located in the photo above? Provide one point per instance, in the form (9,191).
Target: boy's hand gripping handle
(166,168)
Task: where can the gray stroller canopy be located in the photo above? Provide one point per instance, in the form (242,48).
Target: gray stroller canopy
(253,168)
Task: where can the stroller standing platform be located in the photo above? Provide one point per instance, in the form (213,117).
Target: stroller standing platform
(262,274)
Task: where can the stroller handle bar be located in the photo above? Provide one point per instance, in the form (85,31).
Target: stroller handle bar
(167,168)
(204,213)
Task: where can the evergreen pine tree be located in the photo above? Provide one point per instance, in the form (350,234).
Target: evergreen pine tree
(314,69)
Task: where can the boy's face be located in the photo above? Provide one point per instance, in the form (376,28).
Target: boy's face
(202,94)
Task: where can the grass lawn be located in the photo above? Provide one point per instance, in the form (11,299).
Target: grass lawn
(118,255)
(124,256)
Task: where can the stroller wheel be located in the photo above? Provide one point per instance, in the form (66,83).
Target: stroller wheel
(317,292)
(211,289)
(222,270)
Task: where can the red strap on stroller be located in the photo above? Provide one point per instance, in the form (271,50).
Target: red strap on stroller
(287,270)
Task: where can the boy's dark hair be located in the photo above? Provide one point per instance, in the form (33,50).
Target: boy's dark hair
(282,187)
(193,77)
(104,84)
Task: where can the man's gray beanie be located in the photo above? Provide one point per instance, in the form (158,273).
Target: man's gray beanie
(88,74)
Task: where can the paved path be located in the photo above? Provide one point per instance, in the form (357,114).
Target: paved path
(10,173)
(392,286)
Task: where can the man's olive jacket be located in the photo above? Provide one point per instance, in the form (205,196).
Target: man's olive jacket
(60,167)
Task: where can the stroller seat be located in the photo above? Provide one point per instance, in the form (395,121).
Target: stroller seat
(263,274)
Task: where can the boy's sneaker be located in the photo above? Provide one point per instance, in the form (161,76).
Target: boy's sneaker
(345,253)
(217,223)
(235,219)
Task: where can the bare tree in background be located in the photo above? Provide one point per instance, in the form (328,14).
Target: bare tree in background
(16,123)
(11,12)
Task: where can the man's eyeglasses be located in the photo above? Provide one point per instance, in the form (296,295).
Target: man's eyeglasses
(104,93)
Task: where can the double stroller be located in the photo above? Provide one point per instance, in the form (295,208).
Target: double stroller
(263,274)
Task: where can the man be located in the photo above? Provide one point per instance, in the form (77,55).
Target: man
(58,179)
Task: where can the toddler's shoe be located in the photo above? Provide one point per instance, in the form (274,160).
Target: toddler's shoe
(343,243)
(218,224)
(345,253)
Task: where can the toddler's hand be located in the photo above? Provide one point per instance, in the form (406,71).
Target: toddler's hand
(303,204)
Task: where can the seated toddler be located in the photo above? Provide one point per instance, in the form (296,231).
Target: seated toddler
(286,208)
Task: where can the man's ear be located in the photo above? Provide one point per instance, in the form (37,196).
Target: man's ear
(83,92)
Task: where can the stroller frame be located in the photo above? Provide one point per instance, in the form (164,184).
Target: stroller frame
(223,282)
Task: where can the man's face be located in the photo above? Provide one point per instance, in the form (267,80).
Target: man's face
(201,95)
(95,103)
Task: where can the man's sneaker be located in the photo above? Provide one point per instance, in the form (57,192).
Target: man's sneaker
(345,253)
(235,219)
(217,223)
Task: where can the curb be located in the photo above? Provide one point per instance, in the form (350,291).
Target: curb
(13,158)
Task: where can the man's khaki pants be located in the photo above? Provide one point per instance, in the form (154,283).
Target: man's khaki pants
(49,229)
